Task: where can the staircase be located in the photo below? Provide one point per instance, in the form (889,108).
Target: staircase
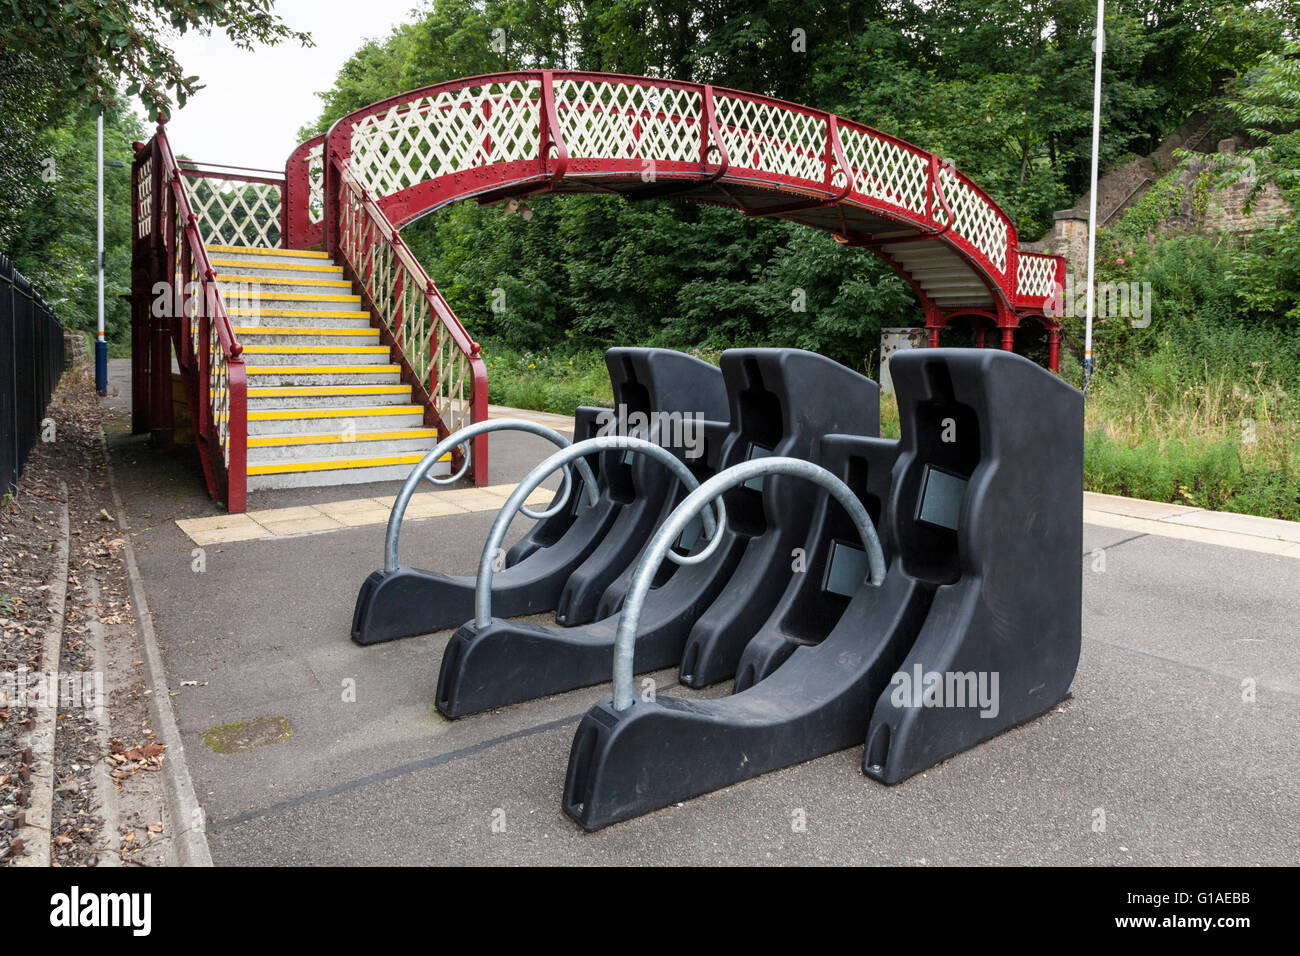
(325,406)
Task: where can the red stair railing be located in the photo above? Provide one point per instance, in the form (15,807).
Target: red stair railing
(437,356)
(177,306)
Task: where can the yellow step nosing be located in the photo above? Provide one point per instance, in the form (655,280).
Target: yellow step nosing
(286,266)
(299,330)
(324,391)
(300,313)
(316,349)
(343,411)
(338,464)
(263,251)
(375,369)
(273,441)
(308,297)
(279,280)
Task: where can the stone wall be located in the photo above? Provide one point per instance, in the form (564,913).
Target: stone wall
(75,353)
(1201,207)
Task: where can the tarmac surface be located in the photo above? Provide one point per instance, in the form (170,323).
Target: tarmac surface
(1179,745)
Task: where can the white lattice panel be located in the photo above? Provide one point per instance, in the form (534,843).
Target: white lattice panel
(449,132)
(884,170)
(144,195)
(974,218)
(628,121)
(236,213)
(772,139)
(1037,275)
(316,183)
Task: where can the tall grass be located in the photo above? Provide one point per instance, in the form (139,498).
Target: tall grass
(556,381)
(1223,438)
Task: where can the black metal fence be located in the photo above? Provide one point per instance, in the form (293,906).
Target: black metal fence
(31,361)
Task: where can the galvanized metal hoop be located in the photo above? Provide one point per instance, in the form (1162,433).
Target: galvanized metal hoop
(487,561)
(460,437)
(695,502)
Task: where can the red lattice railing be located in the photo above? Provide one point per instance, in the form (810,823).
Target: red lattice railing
(487,135)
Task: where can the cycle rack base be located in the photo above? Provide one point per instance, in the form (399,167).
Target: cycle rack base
(984,513)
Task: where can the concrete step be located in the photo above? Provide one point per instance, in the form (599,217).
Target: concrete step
(315,354)
(259,254)
(264,286)
(279,398)
(336,420)
(306,335)
(313,375)
(268,449)
(955,284)
(260,298)
(338,471)
(272,312)
(319,320)
(322,269)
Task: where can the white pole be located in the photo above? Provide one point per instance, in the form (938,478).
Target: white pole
(1099,45)
(101,346)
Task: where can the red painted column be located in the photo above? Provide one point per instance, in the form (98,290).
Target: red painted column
(934,338)
(1008,338)
(979,337)
(1054,350)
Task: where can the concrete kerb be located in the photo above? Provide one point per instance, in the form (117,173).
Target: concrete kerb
(189,843)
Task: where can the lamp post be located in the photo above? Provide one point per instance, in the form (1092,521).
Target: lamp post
(101,345)
(1099,46)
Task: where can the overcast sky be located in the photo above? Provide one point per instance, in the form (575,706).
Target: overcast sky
(253,103)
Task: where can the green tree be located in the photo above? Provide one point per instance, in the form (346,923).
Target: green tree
(97,43)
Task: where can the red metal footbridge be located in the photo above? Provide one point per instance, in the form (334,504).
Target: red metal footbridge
(292,306)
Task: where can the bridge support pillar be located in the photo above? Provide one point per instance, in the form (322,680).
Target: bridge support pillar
(979,337)
(1054,350)
(160,383)
(1008,338)
(140,408)
(934,337)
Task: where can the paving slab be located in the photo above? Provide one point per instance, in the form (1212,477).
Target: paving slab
(1134,507)
(1241,524)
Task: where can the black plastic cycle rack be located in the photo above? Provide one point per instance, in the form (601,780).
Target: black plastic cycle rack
(404,601)
(833,560)
(983,517)
(782,401)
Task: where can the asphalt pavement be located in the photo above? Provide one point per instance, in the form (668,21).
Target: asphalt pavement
(1180,734)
